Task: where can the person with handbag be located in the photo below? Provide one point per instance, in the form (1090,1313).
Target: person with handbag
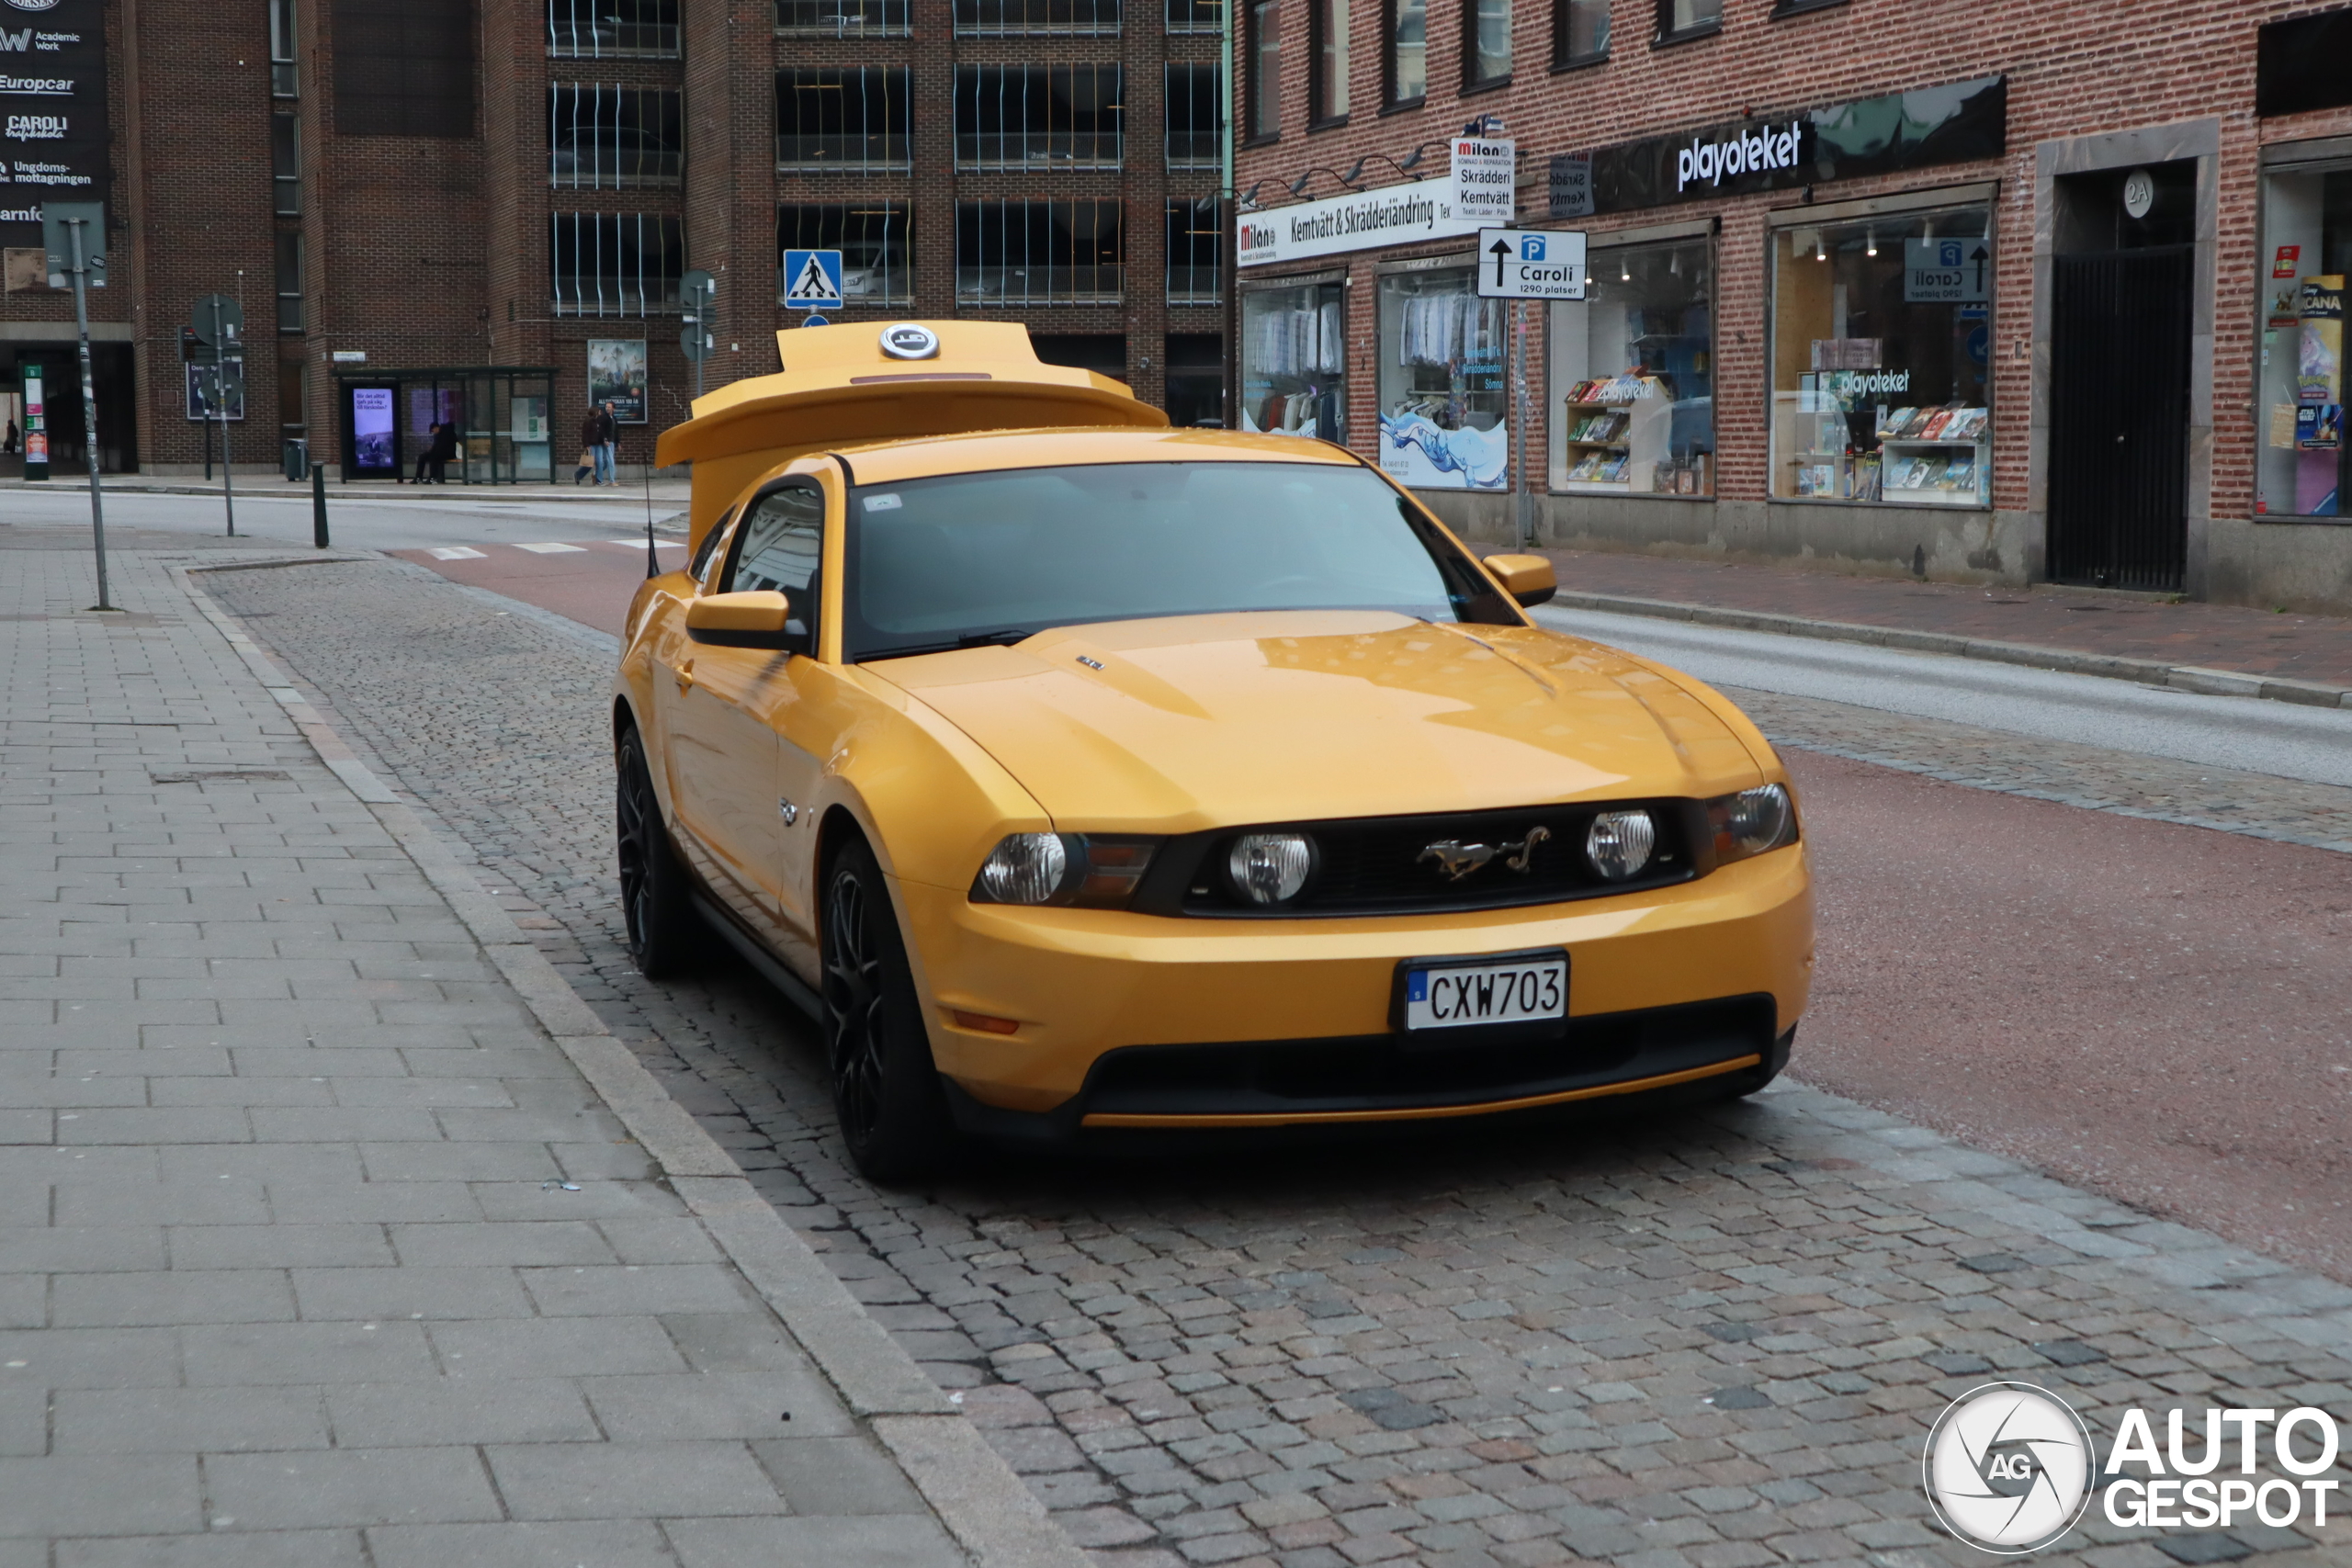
(590,436)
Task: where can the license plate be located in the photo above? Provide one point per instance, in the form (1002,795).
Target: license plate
(1505,990)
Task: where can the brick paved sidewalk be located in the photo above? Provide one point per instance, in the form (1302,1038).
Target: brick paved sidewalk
(2315,649)
(318,1246)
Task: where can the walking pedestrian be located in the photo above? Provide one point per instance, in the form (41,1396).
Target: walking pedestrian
(592,427)
(10,449)
(609,435)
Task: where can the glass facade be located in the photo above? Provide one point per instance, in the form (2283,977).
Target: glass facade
(1444,404)
(1294,361)
(2306,253)
(1880,343)
(1632,406)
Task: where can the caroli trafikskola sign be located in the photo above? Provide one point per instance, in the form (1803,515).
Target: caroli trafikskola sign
(1957,123)
(52,110)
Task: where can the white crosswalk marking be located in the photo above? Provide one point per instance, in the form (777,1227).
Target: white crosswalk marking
(640,544)
(457,552)
(553,550)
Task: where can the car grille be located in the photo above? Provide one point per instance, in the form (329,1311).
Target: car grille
(1381,865)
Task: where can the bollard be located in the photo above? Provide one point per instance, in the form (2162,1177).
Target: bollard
(317,506)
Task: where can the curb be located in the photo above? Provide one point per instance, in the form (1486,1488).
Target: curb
(2066,660)
(295,490)
(988,1509)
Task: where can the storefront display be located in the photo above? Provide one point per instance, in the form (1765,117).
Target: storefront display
(1880,343)
(1443,401)
(2307,246)
(1633,375)
(1294,360)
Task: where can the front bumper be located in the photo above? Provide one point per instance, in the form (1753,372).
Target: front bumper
(1133,1020)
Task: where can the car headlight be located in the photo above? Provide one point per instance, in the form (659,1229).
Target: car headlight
(1267,868)
(1084,869)
(1618,843)
(1752,822)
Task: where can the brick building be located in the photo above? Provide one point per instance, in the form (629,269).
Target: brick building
(470,210)
(2006,292)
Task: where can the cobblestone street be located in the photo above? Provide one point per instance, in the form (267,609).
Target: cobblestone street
(1712,1338)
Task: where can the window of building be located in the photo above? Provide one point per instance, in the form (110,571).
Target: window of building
(1632,382)
(405,70)
(1105,354)
(601,137)
(284,75)
(1295,359)
(1878,393)
(1265,56)
(984,18)
(1196,16)
(859,119)
(1486,43)
(1328,97)
(2306,252)
(843,18)
(1038,117)
(1195,99)
(1195,380)
(616,264)
(285,164)
(1444,413)
(1406,47)
(874,239)
(1028,252)
(1687,19)
(1195,249)
(1579,31)
(612,29)
(2299,64)
(289,280)
(293,398)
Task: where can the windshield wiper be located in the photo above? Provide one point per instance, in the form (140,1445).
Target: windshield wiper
(1005,637)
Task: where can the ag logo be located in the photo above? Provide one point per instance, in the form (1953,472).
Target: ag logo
(2009,1468)
(910,340)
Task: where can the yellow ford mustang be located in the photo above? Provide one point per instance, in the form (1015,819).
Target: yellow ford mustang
(1091,773)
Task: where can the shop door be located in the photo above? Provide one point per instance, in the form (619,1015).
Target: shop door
(2119,418)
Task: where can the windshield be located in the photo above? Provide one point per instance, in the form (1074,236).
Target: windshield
(971,558)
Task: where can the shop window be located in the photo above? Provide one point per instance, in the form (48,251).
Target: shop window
(843,18)
(1687,19)
(1197,380)
(1295,360)
(860,120)
(289,280)
(1196,16)
(1038,117)
(1195,99)
(1405,64)
(285,164)
(1329,48)
(404,70)
(1632,382)
(602,137)
(1443,407)
(1033,252)
(1265,56)
(1486,43)
(984,18)
(1579,31)
(2306,253)
(1195,248)
(613,30)
(615,263)
(1881,336)
(875,238)
(285,74)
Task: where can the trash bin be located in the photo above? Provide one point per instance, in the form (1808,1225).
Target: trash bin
(298,459)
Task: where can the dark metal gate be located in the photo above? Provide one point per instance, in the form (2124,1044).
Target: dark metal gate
(2119,417)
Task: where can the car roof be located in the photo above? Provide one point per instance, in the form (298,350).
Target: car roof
(889,462)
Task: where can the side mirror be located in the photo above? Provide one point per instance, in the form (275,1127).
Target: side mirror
(763,619)
(1528,579)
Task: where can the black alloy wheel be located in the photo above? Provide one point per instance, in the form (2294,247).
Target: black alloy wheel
(886,1088)
(655,902)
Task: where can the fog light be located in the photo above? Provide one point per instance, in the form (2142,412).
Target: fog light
(1267,868)
(1025,869)
(1620,843)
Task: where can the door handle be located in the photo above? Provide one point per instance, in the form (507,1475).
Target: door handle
(685,673)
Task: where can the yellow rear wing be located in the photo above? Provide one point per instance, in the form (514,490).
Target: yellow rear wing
(845,385)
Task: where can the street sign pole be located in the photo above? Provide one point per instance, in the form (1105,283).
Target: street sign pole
(221,402)
(89,407)
(1521,435)
(698,294)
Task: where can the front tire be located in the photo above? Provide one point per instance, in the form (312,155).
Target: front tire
(656,905)
(893,1116)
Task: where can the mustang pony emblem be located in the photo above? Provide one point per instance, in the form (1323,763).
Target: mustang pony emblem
(1458,859)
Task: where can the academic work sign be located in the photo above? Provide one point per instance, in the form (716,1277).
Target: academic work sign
(52,110)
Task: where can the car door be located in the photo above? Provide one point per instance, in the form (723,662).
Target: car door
(728,707)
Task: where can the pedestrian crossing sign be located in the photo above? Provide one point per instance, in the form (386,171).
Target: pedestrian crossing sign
(811,279)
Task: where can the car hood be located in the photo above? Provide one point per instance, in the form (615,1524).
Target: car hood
(1181,723)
